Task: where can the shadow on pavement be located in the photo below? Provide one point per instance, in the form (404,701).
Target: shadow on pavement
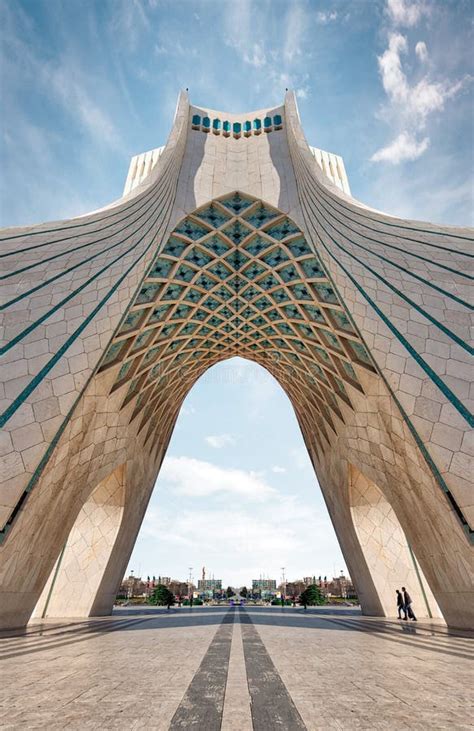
(41,637)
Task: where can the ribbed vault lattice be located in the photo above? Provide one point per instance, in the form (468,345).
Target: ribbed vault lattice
(237,277)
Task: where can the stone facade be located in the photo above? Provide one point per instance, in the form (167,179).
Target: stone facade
(232,240)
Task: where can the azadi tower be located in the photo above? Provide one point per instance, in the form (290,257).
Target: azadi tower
(235,238)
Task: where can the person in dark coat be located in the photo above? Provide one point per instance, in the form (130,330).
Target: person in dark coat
(400,604)
(407,601)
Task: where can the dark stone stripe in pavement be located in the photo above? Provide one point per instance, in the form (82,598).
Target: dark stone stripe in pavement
(271,705)
(203,703)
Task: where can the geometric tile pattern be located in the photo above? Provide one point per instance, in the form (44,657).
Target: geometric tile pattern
(237,277)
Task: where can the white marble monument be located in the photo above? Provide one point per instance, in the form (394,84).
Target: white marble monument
(235,238)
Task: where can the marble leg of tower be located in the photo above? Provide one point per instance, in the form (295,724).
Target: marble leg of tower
(235,238)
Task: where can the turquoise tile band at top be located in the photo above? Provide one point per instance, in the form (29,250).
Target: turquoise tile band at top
(268,124)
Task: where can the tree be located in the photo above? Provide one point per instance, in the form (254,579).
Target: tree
(312,596)
(162,596)
(244,592)
(230,592)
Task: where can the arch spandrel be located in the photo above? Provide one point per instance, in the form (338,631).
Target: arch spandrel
(237,277)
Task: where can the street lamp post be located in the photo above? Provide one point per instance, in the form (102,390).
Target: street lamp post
(189,586)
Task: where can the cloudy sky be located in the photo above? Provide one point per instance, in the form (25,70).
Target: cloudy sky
(86,84)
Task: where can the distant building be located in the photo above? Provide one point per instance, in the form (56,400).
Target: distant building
(133,586)
(261,585)
(341,586)
(209,586)
(309,580)
(294,588)
(180,588)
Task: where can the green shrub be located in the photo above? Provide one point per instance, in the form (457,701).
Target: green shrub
(161,596)
(312,596)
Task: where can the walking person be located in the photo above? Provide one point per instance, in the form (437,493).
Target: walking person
(407,601)
(400,604)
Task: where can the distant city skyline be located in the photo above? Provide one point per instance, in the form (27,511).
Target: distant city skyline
(225,583)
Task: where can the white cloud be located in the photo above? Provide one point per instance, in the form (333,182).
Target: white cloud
(406,13)
(264,538)
(255,55)
(129,23)
(76,99)
(258,542)
(296,24)
(403,147)
(421,51)
(243,31)
(409,105)
(323,18)
(63,80)
(220,440)
(390,66)
(278,470)
(197,478)
(278,63)
(302,93)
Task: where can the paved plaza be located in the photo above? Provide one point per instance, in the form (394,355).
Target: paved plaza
(236,669)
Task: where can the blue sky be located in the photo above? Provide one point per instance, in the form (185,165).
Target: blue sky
(87,84)
(237,492)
